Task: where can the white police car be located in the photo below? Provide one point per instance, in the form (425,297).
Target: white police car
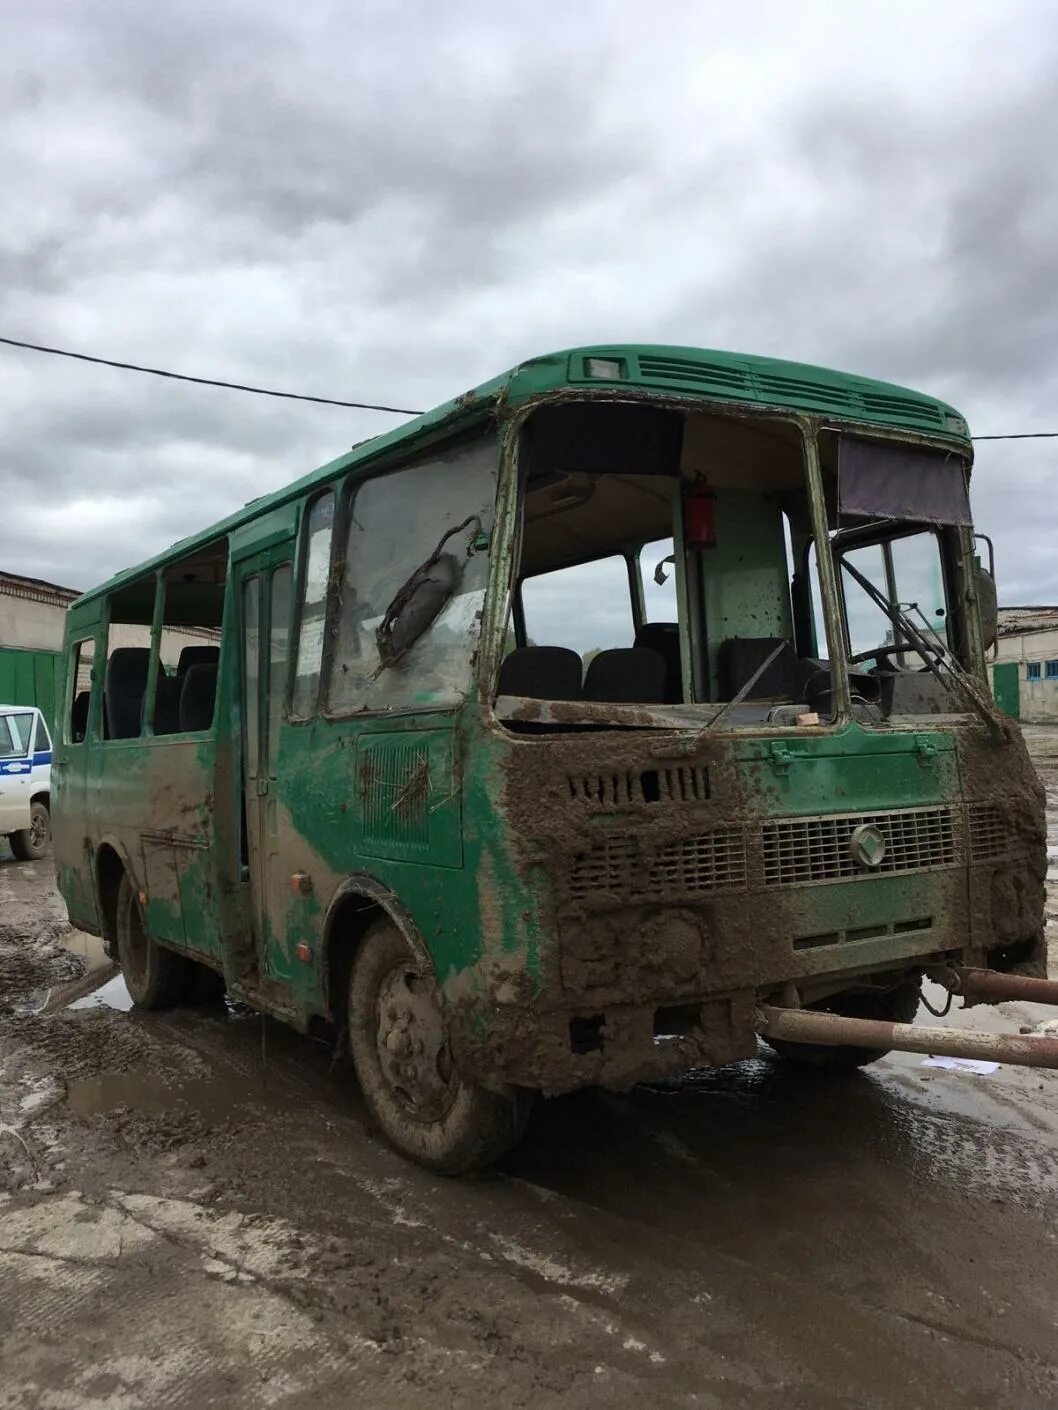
(25,781)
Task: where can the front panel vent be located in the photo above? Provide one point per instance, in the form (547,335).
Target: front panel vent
(616,867)
(682,784)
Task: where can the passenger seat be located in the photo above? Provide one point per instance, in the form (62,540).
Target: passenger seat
(664,638)
(542,673)
(124,687)
(198,698)
(626,675)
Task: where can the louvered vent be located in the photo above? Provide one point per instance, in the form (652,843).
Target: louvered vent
(713,861)
(677,785)
(395,794)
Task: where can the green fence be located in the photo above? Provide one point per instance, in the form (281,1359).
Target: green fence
(28,678)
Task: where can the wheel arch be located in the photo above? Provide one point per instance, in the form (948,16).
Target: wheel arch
(110,862)
(358,901)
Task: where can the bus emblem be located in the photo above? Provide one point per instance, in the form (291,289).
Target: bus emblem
(867,846)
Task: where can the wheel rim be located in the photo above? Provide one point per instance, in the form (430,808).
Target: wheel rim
(134,950)
(412,1046)
(38,830)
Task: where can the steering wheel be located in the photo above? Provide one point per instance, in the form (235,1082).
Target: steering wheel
(881,653)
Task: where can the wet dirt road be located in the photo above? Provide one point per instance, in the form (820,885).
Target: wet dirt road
(198,1213)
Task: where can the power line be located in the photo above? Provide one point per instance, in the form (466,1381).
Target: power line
(333,401)
(1020,436)
(208,381)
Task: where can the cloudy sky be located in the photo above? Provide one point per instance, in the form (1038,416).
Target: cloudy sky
(395,201)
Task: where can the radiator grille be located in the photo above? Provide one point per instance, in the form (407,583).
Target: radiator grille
(395,794)
(797,851)
(713,861)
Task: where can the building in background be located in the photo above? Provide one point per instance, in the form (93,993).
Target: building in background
(32,614)
(1025,670)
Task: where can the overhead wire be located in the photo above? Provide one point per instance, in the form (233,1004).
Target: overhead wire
(336,401)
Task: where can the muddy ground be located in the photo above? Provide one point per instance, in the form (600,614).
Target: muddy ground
(197,1212)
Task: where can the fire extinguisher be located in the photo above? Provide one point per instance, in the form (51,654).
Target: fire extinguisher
(699,516)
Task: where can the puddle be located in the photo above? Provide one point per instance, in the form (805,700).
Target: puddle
(111,995)
(145,1091)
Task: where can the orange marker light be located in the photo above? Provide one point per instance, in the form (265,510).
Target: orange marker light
(304,952)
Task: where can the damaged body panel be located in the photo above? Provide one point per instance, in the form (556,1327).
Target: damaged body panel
(636,763)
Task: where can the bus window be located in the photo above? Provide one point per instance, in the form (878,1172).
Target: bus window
(189,644)
(82,654)
(658,575)
(251,622)
(128,653)
(586,608)
(398,524)
(278,657)
(315,574)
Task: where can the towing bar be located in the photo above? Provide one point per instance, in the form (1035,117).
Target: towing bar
(989,984)
(834,1030)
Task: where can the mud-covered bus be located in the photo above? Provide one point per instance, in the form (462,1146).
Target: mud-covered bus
(619,712)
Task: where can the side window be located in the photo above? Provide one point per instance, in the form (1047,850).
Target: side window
(22,729)
(315,574)
(278,655)
(658,574)
(79,692)
(41,738)
(251,628)
(128,654)
(433,519)
(8,741)
(185,688)
(587,608)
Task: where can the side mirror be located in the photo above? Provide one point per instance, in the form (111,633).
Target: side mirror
(988,606)
(415,607)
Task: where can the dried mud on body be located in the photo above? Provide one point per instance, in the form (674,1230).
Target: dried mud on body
(193,1216)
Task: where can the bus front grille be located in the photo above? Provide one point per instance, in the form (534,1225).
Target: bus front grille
(803,851)
(620,868)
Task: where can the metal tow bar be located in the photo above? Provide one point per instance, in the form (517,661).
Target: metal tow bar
(1019,1049)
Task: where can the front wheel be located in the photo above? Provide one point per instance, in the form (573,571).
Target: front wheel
(30,844)
(400,1050)
(897,1005)
(156,978)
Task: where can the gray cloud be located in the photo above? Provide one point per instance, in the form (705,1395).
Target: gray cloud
(393,202)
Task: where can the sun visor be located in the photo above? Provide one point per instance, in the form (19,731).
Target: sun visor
(877,481)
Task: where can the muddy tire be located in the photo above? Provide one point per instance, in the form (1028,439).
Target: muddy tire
(31,843)
(156,978)
(895,1006)
(399,1046)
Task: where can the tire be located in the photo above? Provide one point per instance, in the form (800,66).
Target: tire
(156,978)
(31,843)
(894,1006)
(399,1046)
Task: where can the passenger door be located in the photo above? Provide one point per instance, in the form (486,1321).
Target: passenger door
(264,586)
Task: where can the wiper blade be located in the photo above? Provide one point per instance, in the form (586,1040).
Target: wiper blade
(929,652)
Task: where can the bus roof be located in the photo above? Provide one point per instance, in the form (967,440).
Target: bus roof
(739,378)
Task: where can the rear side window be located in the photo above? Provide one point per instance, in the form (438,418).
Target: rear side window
(7,738)
(22,731)
(41,738)
(81,657)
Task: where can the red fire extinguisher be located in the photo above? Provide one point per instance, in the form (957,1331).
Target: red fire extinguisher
(699,516)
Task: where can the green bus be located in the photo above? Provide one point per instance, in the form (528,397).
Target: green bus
(547,740)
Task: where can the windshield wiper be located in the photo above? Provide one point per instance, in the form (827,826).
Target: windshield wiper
(931,652)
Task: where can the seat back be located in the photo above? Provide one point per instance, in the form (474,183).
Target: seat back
(79,716)
(123,690)
(739,657)
(167,703)
(664,638)
(542,672)
(196,656)
(626,675)
(197,697)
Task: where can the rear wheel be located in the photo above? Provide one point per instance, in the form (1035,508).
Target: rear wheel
(30,844)
(892,1005)
(156,978)
(400,1049)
